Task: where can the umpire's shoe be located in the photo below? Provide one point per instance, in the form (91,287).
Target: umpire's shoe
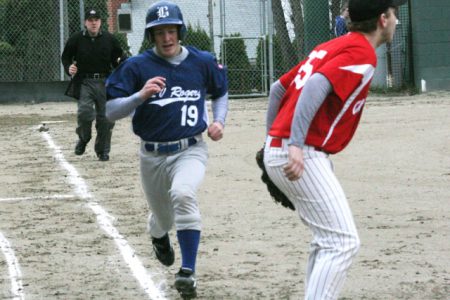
(164,250)
(186,284)
(80,147)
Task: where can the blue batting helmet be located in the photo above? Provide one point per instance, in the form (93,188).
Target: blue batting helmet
(164,13)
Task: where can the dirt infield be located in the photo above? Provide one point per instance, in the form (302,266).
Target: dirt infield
(396,174)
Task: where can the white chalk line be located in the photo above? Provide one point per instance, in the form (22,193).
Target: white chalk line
(13,267)
(51,197)
(53,122)
(105,220)
(12,262)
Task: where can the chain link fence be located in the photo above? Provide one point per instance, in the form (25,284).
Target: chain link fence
(258,40)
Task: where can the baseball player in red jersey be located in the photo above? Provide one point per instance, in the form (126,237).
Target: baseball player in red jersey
(314,110)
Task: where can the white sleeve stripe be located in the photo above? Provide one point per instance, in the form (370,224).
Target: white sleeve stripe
(367,72)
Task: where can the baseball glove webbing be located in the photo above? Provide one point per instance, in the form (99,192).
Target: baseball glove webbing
(274,191)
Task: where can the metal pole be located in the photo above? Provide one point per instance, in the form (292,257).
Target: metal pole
(270,27)
(61,36)
(412,76)
(211,25)
(81,14)
(262,5)
(222,30)
(263,35)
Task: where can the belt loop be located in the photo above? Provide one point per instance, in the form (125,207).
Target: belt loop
(184,143)
(276,142)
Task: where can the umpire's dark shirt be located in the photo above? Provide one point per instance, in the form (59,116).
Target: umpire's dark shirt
(93,54)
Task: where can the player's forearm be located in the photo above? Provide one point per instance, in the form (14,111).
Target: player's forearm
(119,108)
(66,61)
(220,109)
(313,95)
(276,93)
(68,55)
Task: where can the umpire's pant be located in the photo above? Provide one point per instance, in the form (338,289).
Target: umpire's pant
(91,105)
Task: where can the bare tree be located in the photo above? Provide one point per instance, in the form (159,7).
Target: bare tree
(297,20)
(290,57)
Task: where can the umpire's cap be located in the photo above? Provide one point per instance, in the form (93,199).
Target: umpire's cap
(362,10)
(164,13)
(92,13)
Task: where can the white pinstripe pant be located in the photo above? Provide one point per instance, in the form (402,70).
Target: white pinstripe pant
(322,206)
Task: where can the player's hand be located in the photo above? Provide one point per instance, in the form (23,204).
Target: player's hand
(295,166)
(73,69)
(215,131)
(152,86)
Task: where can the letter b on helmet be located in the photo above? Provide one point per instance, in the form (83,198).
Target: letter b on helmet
(164,13)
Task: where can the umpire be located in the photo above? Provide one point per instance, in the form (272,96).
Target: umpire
(89,57)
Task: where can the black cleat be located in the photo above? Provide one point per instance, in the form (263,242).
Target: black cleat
(80,147)
(103,157)
(164,250)
(186,284)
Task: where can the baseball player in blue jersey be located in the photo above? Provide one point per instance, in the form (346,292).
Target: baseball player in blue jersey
(164,90)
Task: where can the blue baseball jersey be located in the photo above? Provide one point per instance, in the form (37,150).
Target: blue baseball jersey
(179,110)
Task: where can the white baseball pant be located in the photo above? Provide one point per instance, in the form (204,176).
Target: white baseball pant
(322,205)
(170,184)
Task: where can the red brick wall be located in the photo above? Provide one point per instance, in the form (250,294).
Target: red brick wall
(113,6)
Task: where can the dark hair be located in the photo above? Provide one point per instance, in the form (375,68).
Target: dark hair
(344,7)
(361,10)
(366,26)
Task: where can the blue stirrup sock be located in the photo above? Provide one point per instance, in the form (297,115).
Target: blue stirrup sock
(189,241)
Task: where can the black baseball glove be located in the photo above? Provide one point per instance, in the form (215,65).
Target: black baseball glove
(274,191)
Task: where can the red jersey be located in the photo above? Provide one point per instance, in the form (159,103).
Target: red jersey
(348,62)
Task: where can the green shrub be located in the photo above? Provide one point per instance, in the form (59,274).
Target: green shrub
(145,45)
(278,64)
(6,48)
(123,41)
(240,71)
(198,38)
(8,63)
(35,39)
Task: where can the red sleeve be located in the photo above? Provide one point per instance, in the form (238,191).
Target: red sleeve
(345,82)
(287,78)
